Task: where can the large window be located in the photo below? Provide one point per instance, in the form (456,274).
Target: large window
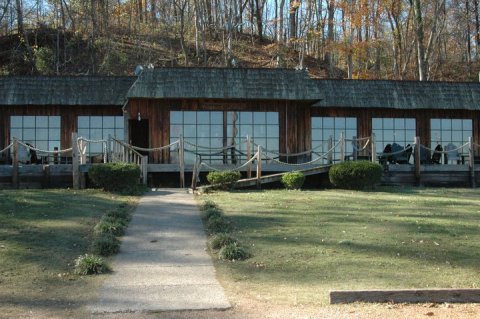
(449,131)
(43,132)
(325,127)
(210,131)
(393,130)
(98,128)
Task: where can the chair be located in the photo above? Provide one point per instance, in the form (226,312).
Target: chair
(452,154)
(437,154)
(385,157)
(399,156)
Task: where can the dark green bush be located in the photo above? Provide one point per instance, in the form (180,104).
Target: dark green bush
(116,177)
(120,214)
(233,252)
(208,204)
(106,245)
(223,180)
(211,213)
(293,180)
(355,174)
(91,265)
(110,225)
(220,240)
(217,225)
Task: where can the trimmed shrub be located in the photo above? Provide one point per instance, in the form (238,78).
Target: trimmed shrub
(355,174)
(208,204)
(220,240)
(109,225)
(106,245)
(120,214)
(211,213)
(116,177)
(293,180)
(217,225)
(90,265)
(233,252)
(223,180)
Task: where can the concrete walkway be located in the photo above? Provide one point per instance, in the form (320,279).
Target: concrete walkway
(163,264)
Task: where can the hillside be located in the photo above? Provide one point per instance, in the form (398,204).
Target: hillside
(46,51)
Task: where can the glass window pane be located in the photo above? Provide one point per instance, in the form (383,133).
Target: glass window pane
(246,130)
(317,135)
(388,123)
(16,132)
(119,122)
(328,122)
(83,122)
(246,118)
(272,118)
(120,133)
(190,130)
(96,134)
(457,136)
(175,130)
(446,136)
(96,121)
(189,117)
(41,121)
(53,144)
(410,124)
(108,131)
(435,124)
(108,122)
(203,131)
(29,135)
(259,131)
(83,133)
(259,118)
(316,122)
(217,130)
(42,145)
(339,123)
(377,123)
(216,118)
(456,125)
(399,124)
(446,124)
(16,121)
(41,134)
(203,118)
(29,121)
(351,123)
(435,136)
(176,117)
(467,125)
(273,131)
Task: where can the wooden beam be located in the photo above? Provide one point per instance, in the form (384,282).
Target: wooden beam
(406,296)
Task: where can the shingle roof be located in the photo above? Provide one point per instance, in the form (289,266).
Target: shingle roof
(399,94)
(64,90)
(223,83)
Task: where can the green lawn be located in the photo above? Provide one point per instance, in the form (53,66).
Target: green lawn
(41,233)
(305,243)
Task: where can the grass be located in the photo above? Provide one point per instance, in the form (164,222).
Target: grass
(304,244)
(42,232)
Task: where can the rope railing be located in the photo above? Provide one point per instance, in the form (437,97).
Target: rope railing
(444,152)
(236,168)
(226,148)
(43,151)
(155,149)
(396,152)
(356,149)
(6,148)
(290,154)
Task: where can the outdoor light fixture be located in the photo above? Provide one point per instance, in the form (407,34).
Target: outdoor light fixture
(139,117)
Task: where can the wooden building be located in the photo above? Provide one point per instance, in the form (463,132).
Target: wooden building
(285,111)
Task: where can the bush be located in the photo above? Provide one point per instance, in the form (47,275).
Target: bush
(233,252)
(90,265)
(223,180)
(208,204)
(293,180)
(217,225)
(117,177)
(212,213)
(120,214)
(220,240)
(109,225)
(355,174)
(106,245)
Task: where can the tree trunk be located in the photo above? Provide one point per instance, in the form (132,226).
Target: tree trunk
(419,32)
(19,8)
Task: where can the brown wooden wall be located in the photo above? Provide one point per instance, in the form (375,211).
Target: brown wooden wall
(68,118)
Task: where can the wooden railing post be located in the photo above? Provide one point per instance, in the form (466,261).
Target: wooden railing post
(15,182)
(259,166)
(417,160)
(374,148)
(75,162)
(330,153)
(181,155)
(144,169)
(249,156)
(471,162)
(342,147)
(83,151)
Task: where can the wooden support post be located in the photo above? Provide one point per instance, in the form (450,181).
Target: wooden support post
(15,181)
(259,166)
(330,153)
(109,148)
(193,185)
(374,148)
(342,147)
(144,166)
(181,160)
(249,156)
(83,151)
(417,160)
(471,162)
(75,162)
(356,147)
